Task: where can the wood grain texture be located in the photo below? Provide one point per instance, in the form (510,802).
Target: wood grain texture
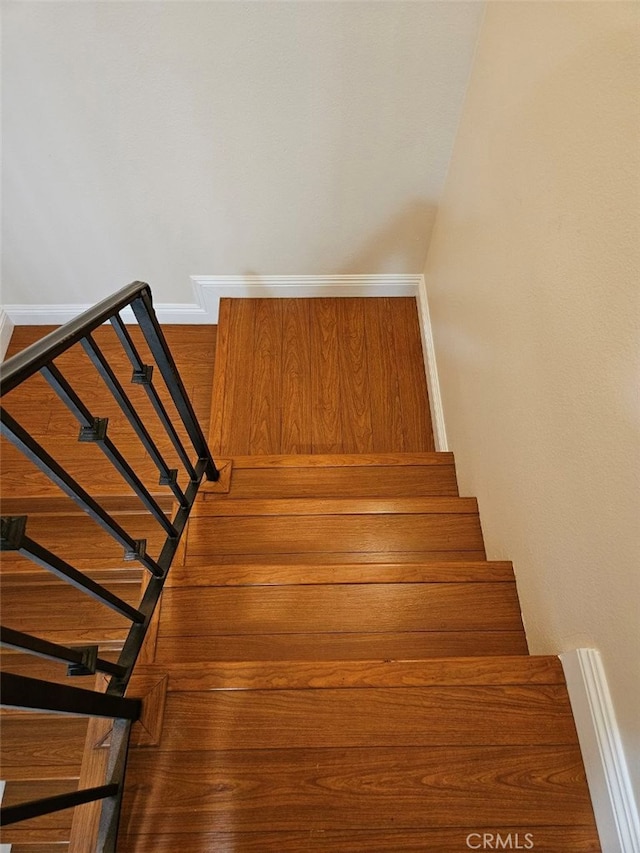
(259,575)
(348,481)
(337,506)
(266,390)
(296,420)
(41,747)
(359,788)
(549,839)
(386,399)
(236,428)
(62,608)
(339,646)
(52,827)
(326,423)
(357,410)
(218,391)
(319,376)
(293,674)
(95,762)
(341,460)
(359,717)
(310,558)
(89,545)
(340,608)
(335,533)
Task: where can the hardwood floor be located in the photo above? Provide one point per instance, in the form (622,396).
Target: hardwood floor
(319,376)
(37,408)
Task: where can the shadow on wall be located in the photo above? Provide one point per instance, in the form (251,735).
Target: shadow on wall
(400,246)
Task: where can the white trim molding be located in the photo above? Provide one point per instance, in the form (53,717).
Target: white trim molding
(605,764)
(56,315)
(214,287)
(6,330)
(431,367)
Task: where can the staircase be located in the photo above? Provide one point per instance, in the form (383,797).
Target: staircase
(335,664)
(348,672)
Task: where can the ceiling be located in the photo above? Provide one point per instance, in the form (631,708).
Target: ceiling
(158,140)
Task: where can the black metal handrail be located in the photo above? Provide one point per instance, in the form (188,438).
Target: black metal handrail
(22,692)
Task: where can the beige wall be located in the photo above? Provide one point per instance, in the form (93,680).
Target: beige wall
(159,140)
(533,281)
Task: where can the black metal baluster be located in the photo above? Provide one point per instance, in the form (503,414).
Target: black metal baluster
(136,635)
(13,538)
(33,694)
(94,430)
(110,815)
(142,374)
(81,660)
(35,808)
(167,476)
(145,315)
(134,548)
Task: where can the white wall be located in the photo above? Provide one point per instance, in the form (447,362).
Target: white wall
(158,140)
(533,278)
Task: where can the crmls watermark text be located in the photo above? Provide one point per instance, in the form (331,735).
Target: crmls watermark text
(500,841)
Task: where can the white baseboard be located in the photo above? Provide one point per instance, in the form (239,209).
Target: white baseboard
(6,330)
(214,287)
(209,289)
(431,367)
(55,315)
(605,764)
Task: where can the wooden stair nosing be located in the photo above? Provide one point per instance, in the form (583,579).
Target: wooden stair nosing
(341,608)
(311,558)
(235,574)
(334,534)
(312,647)
(338,460)
(296,674)
(372,717)
(337,506)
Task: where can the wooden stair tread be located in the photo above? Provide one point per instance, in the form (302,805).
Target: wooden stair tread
(338,646)
(347,481)
(360,788)
(360,717)
(336,506)
(311,558)
(553,839)
(339,460)
(23,572)
(337,533)
(340,608)
(52,828)
(42,747)
(259,574)
(492,671)
(62,607)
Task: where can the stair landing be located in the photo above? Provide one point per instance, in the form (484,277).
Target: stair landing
(319,376)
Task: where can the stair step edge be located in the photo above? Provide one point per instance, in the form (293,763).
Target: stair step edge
(493,671)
